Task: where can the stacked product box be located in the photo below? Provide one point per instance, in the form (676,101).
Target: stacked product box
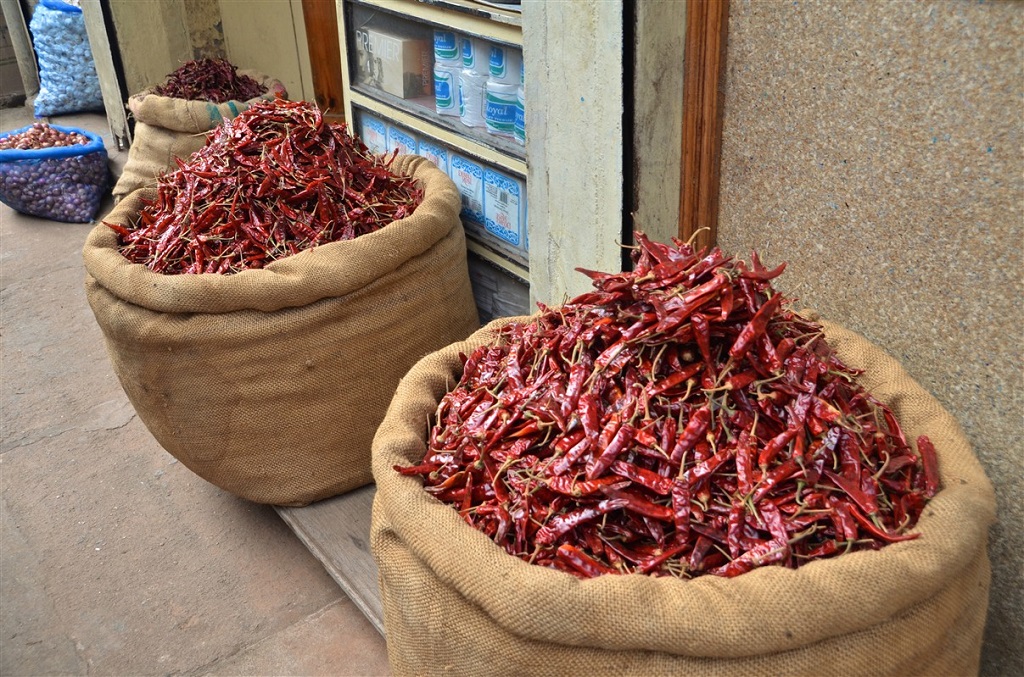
(520,117)
(505,74)
(436,153)
(373,132)
(402,140)
(468,175)
(493,204)
(447,64)
(394,61)
(473,81)
(505,208)
(488,84)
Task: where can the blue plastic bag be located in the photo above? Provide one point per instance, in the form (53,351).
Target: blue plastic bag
(63,183)
(67,73)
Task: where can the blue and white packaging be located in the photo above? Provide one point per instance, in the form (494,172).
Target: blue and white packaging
(446,89)
(436,153)
(519,129)
(447,48)
(476,55)
(500,108)
(472,98)
(505,207)
(374,133)
(469,177)
(506,65)
(405,142)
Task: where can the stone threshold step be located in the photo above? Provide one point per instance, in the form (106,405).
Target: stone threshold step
(337,532)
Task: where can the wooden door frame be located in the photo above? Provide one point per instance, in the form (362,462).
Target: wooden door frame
(707,27)
(321,21)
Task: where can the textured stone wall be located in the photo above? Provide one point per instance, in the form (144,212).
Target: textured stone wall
(877,147)
(206,33)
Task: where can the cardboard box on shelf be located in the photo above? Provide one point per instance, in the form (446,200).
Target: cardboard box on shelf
(398,138)
(436,153)
(396,63)
(505,207)
(469,177)
(373,132)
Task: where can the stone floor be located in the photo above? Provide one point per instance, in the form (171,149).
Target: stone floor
(114,558)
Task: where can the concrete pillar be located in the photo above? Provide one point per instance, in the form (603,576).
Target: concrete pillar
(573,55)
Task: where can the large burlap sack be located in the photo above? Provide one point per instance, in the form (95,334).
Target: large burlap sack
(167,128)
(271,383)
(457,604)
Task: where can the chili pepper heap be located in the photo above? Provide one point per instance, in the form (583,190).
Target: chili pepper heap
(679,420)
(215,80)
(275,180)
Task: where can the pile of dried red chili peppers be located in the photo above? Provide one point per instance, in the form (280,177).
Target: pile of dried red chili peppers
(678,420)
(215,80)
(274,181)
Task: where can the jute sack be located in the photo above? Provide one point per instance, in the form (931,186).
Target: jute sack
(456,604)
(271,383)
(168,128)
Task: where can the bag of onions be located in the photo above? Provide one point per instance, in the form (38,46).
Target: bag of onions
(172,118)
(58,173)
(676,474)
(261,304)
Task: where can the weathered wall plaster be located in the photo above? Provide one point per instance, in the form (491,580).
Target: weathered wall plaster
(157,36)
(877,147)
(206,35)
(153,39)
(271,40)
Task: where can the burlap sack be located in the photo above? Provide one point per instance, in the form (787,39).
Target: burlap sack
(168,128)
(271,383)
(456,604)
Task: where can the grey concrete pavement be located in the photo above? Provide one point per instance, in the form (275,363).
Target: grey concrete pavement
(114,558)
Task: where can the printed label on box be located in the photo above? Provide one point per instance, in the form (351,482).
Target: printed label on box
(445,84)
(520,123)
(397,64)
(374,133)
(469,177)
(503,205)
(443,89)
(436,154)
(500,110)
(499,61)
(402,140)
(446,46)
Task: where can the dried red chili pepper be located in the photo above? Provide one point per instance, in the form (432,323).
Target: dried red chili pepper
(582,562)
(214,213)
(772,456)
(931,465)
(755,328)
(559,524)
(215,80)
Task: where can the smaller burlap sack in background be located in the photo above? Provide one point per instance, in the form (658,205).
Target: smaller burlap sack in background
(457,604)
(167,128)
(271,383)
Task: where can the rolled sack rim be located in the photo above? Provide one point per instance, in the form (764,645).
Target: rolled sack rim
(327,271)
(887,581)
